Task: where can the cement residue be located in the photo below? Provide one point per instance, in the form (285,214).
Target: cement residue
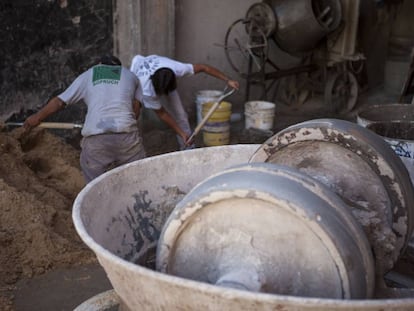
(381,237)
(171,197)
(39,180)
(146,220)
(353,164)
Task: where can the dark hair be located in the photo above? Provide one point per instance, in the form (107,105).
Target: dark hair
(109,59)
(164,81)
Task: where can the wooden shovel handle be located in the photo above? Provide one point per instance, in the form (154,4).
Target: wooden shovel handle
(209,113)
(50,125)
(59,125)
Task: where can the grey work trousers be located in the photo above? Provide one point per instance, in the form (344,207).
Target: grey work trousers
(103,152)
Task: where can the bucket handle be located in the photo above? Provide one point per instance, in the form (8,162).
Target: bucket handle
(209,113)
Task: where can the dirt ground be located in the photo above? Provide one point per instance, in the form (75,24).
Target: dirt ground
(39,179)
(43,263)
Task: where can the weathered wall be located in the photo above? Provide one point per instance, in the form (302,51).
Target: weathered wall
(201,27)
(200,31)
(143,27)
(402,31)
(385,32)
(187,30)
(387,38)
(45,44)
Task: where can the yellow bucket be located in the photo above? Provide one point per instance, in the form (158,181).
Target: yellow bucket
(216,131)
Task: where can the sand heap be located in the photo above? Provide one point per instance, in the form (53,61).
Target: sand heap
(39,180)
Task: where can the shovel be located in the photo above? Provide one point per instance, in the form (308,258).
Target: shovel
(208,115)
(50,125)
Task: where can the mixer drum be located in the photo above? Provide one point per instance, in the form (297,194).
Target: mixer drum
(266,228)
(362,169)
(301,24)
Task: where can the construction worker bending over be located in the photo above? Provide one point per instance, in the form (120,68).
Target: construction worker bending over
(157,75)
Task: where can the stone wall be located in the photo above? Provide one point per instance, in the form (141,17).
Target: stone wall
(45,44)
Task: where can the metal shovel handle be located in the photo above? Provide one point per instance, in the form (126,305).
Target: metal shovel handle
(209,113)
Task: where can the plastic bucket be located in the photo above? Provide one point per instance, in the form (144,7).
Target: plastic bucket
(259,115)
(400,136)
(394,123)
(205,96)
(216,131)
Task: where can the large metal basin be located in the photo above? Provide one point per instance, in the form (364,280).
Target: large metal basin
(120,214)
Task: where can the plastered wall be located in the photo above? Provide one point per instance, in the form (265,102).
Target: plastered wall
(200,31)
(190,31)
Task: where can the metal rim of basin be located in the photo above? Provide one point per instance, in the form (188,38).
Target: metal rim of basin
(372,149)
(393,130)
(205,240)
(383,113)
(101,302)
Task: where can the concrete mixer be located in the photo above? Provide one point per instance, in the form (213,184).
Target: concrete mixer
(289,50)
(255,227)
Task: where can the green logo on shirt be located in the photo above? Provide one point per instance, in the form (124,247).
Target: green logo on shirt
(106,74)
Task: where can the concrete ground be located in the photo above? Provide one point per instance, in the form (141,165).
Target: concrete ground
(60,290)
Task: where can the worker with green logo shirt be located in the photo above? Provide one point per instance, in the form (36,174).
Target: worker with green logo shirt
(110,132)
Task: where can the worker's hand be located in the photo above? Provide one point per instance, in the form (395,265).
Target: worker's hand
(187,142)
(233,83)
(31,122)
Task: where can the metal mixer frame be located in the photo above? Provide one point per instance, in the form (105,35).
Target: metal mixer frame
(328,68)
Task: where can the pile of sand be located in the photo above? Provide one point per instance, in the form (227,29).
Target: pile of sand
(39,180)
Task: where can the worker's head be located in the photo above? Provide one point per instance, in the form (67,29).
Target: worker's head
(109,59)
(164,81)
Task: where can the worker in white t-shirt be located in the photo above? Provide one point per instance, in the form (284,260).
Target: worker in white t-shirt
(157,75)
(110,132)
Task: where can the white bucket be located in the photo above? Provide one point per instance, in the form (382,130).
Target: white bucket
(394,123)
(259,114)
(205,96)
(400,136)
